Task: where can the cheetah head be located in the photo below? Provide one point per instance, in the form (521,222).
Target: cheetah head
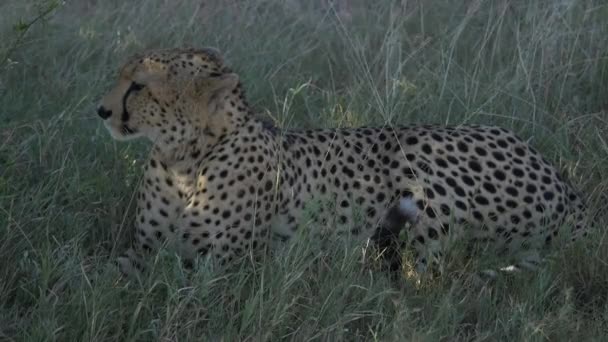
(168,96)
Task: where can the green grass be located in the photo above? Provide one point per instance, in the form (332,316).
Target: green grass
(537,67)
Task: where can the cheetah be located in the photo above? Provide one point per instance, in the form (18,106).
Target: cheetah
(221,182)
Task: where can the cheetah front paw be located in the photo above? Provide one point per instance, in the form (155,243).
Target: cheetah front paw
(130,263)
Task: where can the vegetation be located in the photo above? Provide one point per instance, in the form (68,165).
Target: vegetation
(537,67)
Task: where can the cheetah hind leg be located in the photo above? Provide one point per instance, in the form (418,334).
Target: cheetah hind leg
(387,235)
(428,257)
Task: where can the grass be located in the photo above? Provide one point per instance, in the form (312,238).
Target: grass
(537,67)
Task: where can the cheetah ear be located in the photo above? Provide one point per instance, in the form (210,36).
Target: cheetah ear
(214,53)
(152,66)
(212,86)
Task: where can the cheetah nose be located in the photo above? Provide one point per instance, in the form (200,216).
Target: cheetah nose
(103,112)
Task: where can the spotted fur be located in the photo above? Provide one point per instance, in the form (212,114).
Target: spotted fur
(221,182)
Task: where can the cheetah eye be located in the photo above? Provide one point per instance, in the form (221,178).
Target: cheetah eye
(136,86)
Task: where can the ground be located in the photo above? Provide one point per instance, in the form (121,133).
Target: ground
(66,188)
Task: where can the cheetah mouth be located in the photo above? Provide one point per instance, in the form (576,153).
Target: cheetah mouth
(126,130)
(122,132)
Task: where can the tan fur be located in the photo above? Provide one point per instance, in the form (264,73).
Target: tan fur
(221,182)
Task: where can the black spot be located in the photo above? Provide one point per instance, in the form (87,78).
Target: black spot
(348,172)
(459,191)
(515,219)
(474,165)
(451,182)
(441,163)
(445,210)
(500,175)
(420,204)
(477,215)
(460,205)
(268,186)
(502,143)
(462,147)
(520,151)
(481,200)
(430,212)
(411,140)
(489,187)
(468,180)
(437,137)
(439,189)
(478,137)
(480,151)
(426,148)
(518,172)
(498,156)
(432,233)
(512,191)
